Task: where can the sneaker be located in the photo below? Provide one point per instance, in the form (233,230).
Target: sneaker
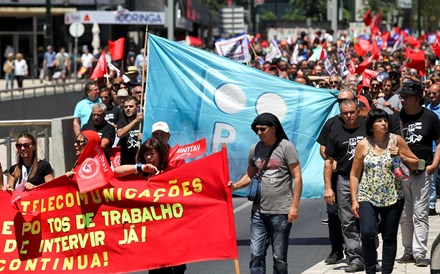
(432,212)
(378,268)
(334,257)
(354,267)
(421,262)
(324,221)
(406,258)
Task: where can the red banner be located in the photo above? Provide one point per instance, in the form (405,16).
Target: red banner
(180,216)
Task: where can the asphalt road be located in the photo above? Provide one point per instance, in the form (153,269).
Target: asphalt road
(309,242)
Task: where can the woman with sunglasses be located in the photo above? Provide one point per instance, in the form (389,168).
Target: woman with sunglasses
(79,144)
(29,172)
(151,159)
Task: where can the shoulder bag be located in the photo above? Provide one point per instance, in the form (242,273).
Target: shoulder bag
(254,190)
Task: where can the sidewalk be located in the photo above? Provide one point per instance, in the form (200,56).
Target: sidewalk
(34,88)
(434,230)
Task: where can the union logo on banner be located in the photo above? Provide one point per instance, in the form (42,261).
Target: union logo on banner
(89,168)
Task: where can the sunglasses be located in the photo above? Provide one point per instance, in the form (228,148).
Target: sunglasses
(261,129)
(432,93)
(334,82)
(375,85)
(18,146)
(79,142)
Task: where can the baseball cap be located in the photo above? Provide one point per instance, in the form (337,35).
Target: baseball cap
(411,88)
(160,126)
(122,92)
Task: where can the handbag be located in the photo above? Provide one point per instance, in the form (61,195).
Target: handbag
(400,171)
(254,189)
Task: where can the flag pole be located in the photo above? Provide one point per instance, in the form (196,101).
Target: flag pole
(144,74)
(237,266)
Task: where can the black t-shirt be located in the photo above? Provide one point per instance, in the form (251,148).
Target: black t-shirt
(419,131)
(326,129)
(341,145)
(43,169)
(129,143)
(105,131)
(113,114)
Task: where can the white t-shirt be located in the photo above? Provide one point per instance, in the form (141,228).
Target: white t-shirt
(87,60)
(21,68)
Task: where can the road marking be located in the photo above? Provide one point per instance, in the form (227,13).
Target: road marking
(243,206)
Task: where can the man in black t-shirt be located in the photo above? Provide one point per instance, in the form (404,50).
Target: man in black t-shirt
(128,131)
(100,125)
(334,224)
(419,127)
(340,147)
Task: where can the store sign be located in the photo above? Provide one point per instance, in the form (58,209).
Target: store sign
(404,4)
(115,17)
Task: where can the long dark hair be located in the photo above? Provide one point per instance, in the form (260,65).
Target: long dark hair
(17,171)
(160,147)
(373,115)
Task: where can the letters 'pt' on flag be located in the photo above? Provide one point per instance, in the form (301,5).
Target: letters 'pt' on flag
(180,216)
(235,48)
(116,49)
(217,99)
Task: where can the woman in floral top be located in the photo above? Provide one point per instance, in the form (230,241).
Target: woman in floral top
(377,193)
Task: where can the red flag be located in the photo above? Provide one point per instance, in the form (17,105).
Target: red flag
(417,60)
(92,170)
(413,42)
(192,150)
(352,67)
(436,48)
(116,49)
(375,50)
(368,18)
(375,26)
(100,68)
(115,156)
(367,75)
(323,55)
(362,47)
(385,36)
(365,64)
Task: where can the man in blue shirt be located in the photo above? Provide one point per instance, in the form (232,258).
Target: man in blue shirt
(434,106)
(49,63)
(83,108)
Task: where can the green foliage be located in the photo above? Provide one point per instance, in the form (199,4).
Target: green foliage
(267,15)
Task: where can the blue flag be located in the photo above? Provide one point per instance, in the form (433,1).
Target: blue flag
(203,95)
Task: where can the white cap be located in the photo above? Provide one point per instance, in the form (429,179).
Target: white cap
(160,126)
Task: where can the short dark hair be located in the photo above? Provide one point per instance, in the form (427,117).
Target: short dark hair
(87,87)
(373,115)
(160,147)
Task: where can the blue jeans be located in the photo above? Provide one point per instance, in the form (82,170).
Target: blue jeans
(389,222)
(433,195)
(265,229)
